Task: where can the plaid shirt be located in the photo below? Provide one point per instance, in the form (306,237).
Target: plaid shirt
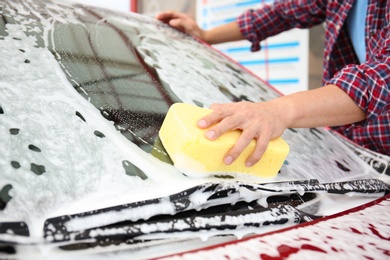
(368,84)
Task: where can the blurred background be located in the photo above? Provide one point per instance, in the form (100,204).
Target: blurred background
(290,62)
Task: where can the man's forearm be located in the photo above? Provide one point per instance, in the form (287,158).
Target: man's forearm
(224,33)
(326,106)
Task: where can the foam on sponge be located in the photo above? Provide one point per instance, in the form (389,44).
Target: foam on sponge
(195,155)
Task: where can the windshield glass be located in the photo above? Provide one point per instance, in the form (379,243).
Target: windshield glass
(131,74)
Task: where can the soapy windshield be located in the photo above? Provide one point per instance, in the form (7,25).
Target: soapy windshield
(132,75)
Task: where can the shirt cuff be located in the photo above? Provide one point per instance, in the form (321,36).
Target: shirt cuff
(246,25)
(368,91)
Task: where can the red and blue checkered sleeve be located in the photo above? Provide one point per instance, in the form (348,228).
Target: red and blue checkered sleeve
(368,84)
(257,25)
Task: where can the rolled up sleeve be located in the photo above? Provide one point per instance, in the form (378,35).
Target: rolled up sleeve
(368,84)
(246,22)
(271,19)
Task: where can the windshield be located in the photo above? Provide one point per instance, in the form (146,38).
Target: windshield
(131,75)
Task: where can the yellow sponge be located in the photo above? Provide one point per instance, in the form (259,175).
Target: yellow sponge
(195,155)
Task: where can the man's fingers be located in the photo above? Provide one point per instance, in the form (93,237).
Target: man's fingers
(219,124)
(213,118)
(256,120)
(178,24)
(261,146)
(242,143)
(167,16)
(234,152)
(164,16)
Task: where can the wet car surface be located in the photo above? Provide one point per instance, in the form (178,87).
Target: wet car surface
(84,92)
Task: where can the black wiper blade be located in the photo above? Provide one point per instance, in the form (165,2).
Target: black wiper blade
(360,186)
(211,195)
(226,223)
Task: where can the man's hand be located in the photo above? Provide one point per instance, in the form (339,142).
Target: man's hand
(326,106)
(259,121)
(184,23)
(181,22)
